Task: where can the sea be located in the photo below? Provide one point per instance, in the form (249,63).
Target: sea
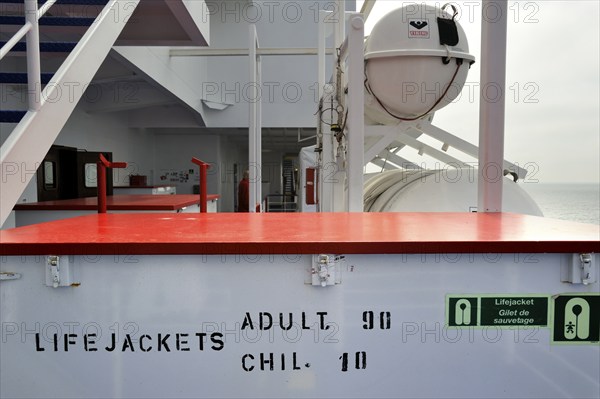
(578,202)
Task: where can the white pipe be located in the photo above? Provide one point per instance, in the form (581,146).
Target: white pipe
(45,8)
(339,33)
(366,8)
(325,189)
(339,175)
(300,139)
(491,110)
(356,106)
(259,197)
(33,56)
(15,39)
(321,68)
(252,133)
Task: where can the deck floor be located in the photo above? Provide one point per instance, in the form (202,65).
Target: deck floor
(131,202)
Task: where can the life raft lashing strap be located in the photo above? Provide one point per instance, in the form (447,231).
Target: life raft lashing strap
(447,27)
(448,31)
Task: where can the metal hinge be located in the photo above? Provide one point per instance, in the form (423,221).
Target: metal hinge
(54,271)
(580,269)
(4,276)
(325,270)
(586,268)
(59,271)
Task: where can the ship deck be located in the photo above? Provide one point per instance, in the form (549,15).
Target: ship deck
(131,202)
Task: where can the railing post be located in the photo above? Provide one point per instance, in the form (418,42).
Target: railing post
(203,191)
(101,167)
(34,83)
(101,179)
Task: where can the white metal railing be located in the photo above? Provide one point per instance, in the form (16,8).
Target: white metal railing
(30,21)
(34,82)
(45,7)
(31,30)
(17,155)
(15,39)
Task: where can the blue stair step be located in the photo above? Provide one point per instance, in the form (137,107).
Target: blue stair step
(73,2)
(48,21)
(50,47)
(11,116)
(21,78)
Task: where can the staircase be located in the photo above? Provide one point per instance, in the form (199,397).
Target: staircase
(61,34)
(289,186)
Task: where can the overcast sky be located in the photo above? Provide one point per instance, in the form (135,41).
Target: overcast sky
(553,88)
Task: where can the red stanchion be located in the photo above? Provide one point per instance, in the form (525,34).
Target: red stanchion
(101,167)
(203,173)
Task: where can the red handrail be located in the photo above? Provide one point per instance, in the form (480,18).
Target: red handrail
(101,167)
(203,172)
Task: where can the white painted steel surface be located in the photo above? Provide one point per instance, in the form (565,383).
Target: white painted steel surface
(326,158)
(356,119)
(492,105)
(416,357)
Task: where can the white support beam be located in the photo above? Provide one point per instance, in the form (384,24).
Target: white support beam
(382,163)
(356,119)
(241,52)
(405,138)
(339,32)
(491,113)
(394,158)
(464,146)
(325,190)
(125,96)
(384,141)
(146,64)
(254,123)
(407,135)
(366,8)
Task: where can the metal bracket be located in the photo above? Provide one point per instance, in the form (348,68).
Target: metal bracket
(325,270)
(9,276)
(586,268)
(580,269)
(54,265)
(59,271)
